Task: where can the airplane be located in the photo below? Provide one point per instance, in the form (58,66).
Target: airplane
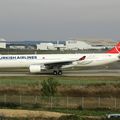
(56,62)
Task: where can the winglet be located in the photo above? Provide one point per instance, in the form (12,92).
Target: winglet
(114,50)
(82,58)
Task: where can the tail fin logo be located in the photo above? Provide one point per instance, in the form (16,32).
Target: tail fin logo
(116,49)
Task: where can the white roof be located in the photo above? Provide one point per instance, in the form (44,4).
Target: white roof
(2,39)
(46,43)
(97,41)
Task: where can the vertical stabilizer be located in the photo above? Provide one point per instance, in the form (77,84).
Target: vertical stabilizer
(116,49)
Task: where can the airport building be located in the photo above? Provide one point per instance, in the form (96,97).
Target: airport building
(2,43)
(50,46)
(78,44)
(15,46)
(59,46)
(45,46)
(89,43)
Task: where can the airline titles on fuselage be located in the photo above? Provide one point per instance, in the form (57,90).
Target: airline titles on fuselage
(17,57)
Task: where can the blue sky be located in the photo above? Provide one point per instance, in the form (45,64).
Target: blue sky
(59,19)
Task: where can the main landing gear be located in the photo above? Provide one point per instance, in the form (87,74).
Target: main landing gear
(57,72)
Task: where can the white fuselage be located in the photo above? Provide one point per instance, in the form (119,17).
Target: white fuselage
(27,60)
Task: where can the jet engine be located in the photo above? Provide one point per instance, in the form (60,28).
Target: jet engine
(36,68)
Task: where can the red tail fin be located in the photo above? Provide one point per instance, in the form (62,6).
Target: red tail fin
(116,49)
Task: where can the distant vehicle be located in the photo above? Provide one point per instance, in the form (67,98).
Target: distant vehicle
(113,116)
(56,62)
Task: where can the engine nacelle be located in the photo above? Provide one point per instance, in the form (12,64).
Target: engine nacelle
(36,68)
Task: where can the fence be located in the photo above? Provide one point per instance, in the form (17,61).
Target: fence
(62,102)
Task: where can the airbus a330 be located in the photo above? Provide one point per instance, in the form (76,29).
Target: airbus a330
(57,62)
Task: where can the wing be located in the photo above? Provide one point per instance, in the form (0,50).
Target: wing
(62,63)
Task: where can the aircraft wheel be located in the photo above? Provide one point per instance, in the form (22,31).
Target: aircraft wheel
(60,72)
(55,72)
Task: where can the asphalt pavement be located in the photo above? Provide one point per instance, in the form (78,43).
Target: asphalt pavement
(112,72)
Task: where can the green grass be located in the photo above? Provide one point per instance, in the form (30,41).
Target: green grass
(88,82)
(35,80)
